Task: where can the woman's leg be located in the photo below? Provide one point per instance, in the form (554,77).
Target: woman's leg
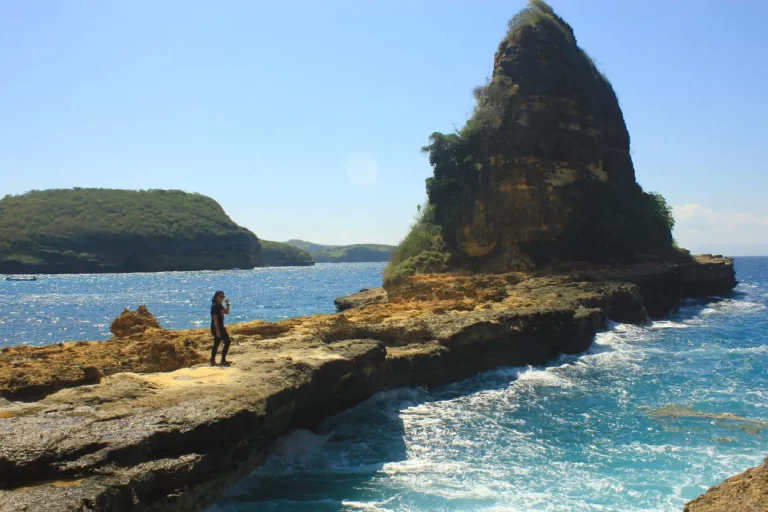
(225,348)
(216,341)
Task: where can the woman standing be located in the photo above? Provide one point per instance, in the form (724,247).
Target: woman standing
(217,327)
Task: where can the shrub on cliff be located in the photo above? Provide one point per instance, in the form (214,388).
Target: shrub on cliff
(422,250)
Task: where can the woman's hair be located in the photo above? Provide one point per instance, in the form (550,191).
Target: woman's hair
(213,300)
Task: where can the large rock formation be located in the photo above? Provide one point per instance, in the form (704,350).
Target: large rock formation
(542,171)
(102,230)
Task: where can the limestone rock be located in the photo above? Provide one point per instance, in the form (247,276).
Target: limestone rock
(133,322)
(542,172)
(746,492)
(364,297)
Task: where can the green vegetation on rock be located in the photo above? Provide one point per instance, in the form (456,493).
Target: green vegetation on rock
(279,254)
(541,173)
(105,230)
(421,251)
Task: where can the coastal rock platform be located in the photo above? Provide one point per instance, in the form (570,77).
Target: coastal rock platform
(745,492)
(141,423)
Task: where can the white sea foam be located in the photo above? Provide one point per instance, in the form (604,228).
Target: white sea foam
(733,307)
(668,324)
(762,349)
(361,505)
(543,377)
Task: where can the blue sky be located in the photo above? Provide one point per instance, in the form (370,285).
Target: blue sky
(305,119)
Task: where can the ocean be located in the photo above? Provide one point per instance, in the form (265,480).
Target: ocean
(81,307)
(646,420)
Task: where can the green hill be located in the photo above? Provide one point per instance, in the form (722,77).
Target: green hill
(104,230)
(345,253)
(354,253)
(279,254)
(310,247)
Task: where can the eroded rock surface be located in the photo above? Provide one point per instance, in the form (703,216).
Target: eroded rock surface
(542,171)
(133,322)
(745,492)
(364,297)
(154,430)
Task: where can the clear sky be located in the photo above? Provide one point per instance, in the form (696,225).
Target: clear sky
(305,119)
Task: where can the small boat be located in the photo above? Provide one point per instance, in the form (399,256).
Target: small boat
(21,278)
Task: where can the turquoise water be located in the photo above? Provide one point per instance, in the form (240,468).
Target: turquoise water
(581,434)
(81,307)
(585,433)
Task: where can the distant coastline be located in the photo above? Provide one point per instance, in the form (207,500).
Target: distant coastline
(89,230)
(356,253)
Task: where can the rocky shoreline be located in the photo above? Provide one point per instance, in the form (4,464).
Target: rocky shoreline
(139,423)
(745,492)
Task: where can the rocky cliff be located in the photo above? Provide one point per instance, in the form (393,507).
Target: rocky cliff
(102,230)
(137,423)
(745,492)
(542,171)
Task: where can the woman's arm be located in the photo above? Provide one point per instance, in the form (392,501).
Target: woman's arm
(226,311)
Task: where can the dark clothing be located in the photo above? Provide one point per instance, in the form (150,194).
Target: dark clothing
(217,319)
(224,349)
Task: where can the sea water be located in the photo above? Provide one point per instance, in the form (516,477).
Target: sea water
(646,420)
(81,307)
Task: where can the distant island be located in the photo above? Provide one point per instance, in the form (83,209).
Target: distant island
(280,254)
(356,253)
(89,230)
